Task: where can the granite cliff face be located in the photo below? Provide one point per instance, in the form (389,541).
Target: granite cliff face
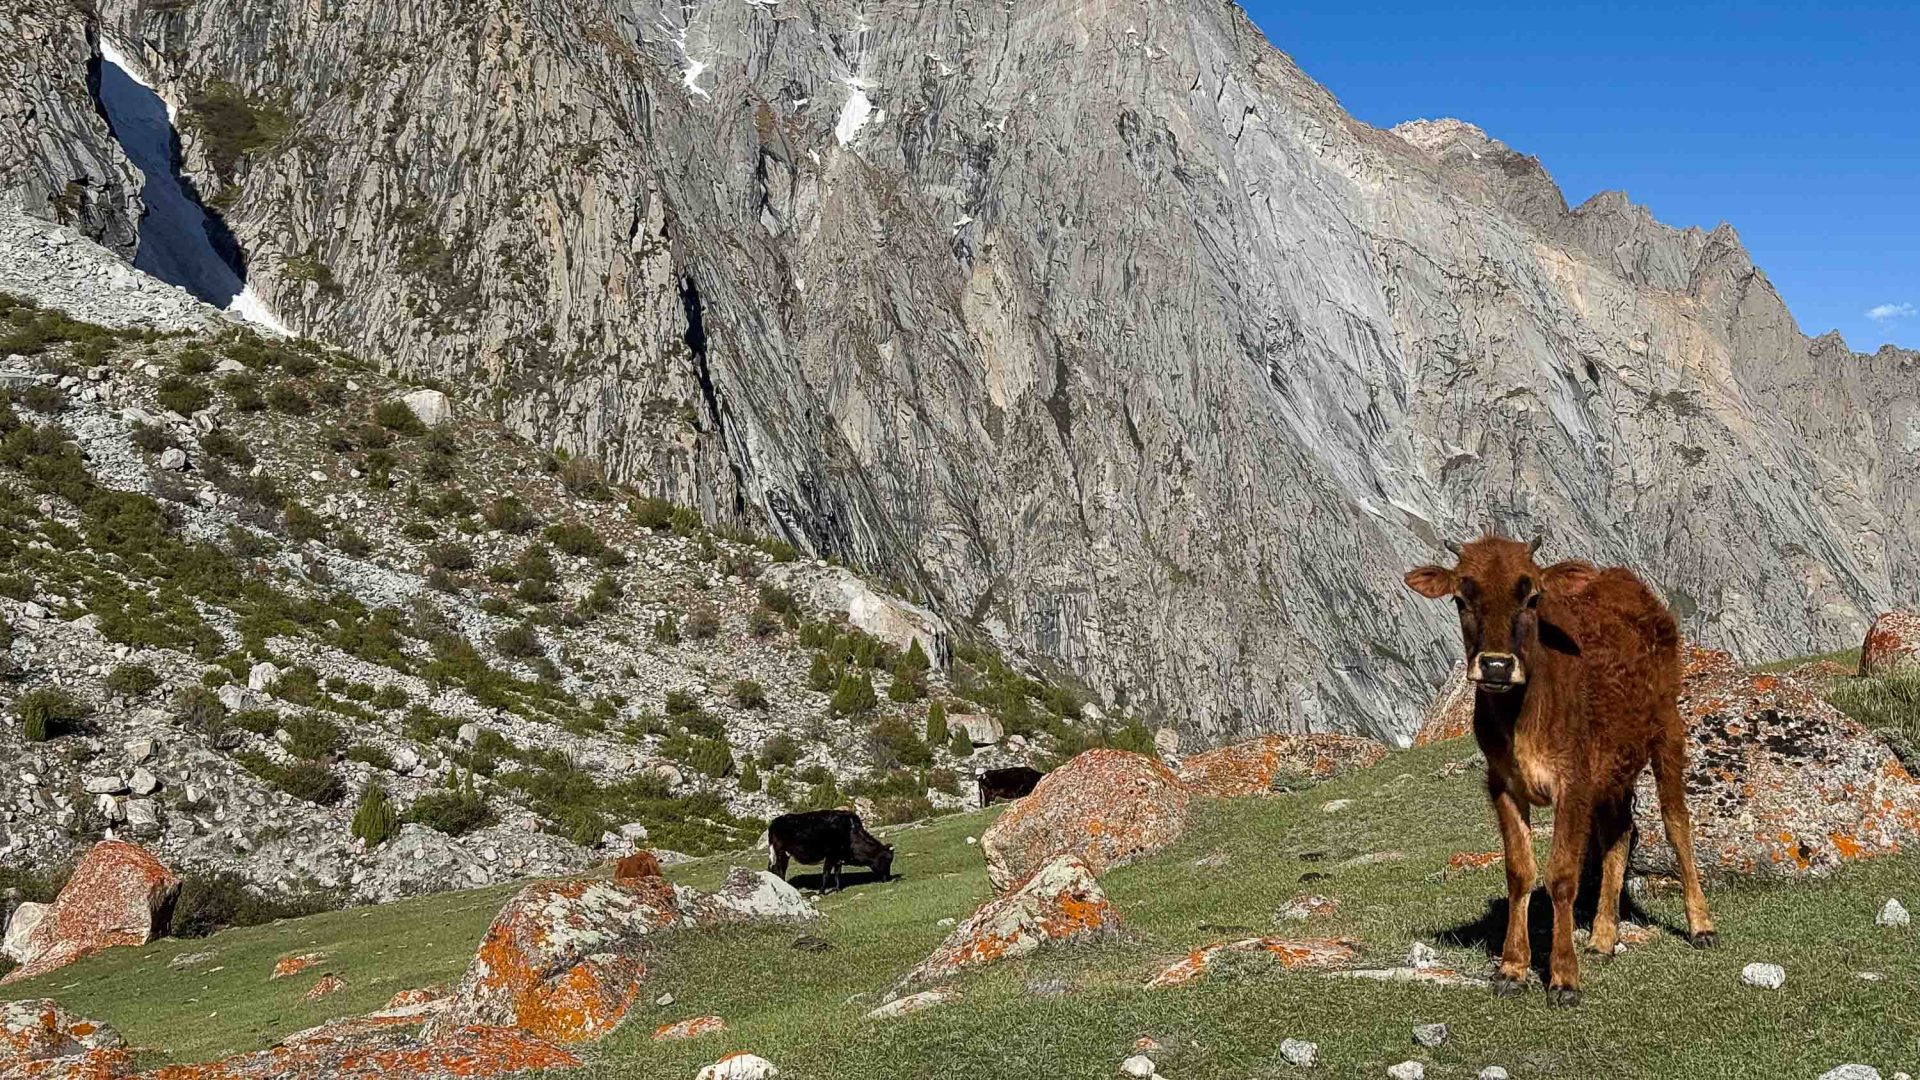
(1096,323)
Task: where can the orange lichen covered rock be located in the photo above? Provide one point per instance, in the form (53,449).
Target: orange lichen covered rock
(1450,714)
(294,965)
(1461,861)
(1060,903)
(561,960)
(1893,643)
(352,1050)
(1779,783)
(1292,953)
(1305,907)
(691,1028)
(38,1039)
(417,997)
(1260,766)
(112,898)
(1105,806)
(328,984)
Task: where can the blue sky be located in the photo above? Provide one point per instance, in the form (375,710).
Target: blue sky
(1797,123)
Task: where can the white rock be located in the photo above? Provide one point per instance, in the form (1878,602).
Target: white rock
(229,365)
(663,1000)
(143,782)
(1300,1052)
(86,622)
(1493,1072)
(914,1003)
(36,611)
(1408,1070)
(469,734)
(740,1067)
(103,785)
(20,928)
(141,814)
(431,406)
(236,698)
(109,808)
(139,750)
(260,677)
(981,729)
(1764,976)
(173,458)
(972,840)
(1851,1072)
(1430,1035)
(1139,1066)
(1334,806)
(1894,913)
(633,830)
(1421,956)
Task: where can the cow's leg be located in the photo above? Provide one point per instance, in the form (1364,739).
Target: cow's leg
(777,864)
(1670,779)
(1572,823)
(830,877)
(1516,837)
(1613,835)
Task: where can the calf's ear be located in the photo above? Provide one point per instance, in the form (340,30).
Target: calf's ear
(1570,576)
(1432,582)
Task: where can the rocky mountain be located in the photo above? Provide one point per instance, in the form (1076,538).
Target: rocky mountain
(1098,326)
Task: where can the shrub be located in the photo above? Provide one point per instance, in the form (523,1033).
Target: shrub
(453,557)
(303,524)
(961,745)
(303,780)
(936,724)
(519,642)
(778,550)
(906,684)
(243,388)
(232,126)
(535,591)
(45,712)
(312,736)
(455,810)
(581,477)
(574,538)
(892,743)
(390,696)
(709,755)
(150,437)
(509,515)
(419,531)
(132,680)
(369,755)
(748,694)
(779,600)
(780,750)
(653,512)
(220,443)
(749,778)
(199,708)
(666,629)
(763,622)
(854,695)
(258,721)
(43,398)
(183,396)
(396,417)
(287,398)
(194,360)
(374,820)
(820,676)
(211,902)
(702,623)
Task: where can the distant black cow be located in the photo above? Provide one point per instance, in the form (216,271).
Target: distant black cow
(827,837)
(1008,784)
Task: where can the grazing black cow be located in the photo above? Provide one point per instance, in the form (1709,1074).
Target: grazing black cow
(828,837)
(1008,784)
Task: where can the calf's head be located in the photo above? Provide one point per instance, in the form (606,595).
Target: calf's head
(1497,588)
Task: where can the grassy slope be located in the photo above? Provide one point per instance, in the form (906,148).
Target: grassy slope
(1663,1010)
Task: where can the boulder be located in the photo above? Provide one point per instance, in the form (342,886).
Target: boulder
(20,926)
(39,1038)
(116,896)
(383,1045)
(981,729)
(1060,903)
(1291,953)
(431,406)
(740,1067)
(1893,643)
(1779,783)
(237,698)
(1106,806)
(1450,714)
(1260,766)
(261,677)
(561,960)
(748,894)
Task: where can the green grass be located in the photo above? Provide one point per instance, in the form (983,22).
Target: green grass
(1881,701)
(1662,1010)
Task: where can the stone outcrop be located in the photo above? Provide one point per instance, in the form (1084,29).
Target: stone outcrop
(1893,644)
(1273,763)
(1060,903)
(791,263)
(1292,954)
(1450,714)
(40,1038)
(118,895)
(1779,783)
(1106,807)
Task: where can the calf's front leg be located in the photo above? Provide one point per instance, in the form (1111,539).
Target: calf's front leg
(1516,838)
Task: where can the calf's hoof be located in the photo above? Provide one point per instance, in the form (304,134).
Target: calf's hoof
(1705,939)
(1508,986)
(1564,996)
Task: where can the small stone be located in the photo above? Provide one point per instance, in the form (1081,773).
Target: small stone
(1408,1070)
(104,785)
(1764,976)
(36,610)
(1300,1052)
(173,458)
(260,677)
(1139,1066)
(1851,1072)
(1421,956)
(143,782)
(663,1000)
(1493,1072)
(139,750)
(740,1067)
(1334,806)
(469,734)
(1430,1036)
(1894,913)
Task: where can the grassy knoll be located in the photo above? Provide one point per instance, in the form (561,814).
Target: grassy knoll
(1662,1010)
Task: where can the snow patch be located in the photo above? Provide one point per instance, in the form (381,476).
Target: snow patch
(854,114)
(250,307)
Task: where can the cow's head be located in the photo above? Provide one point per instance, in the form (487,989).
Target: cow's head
(1498,588)
(870,852)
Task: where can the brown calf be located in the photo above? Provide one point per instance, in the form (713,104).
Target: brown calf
(1576,674)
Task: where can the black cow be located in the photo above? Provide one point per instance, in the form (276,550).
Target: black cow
(1008,784)
(827,837)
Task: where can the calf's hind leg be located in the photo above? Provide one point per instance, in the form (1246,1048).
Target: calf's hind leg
(1670,779)
(1573,820)
(1613,835)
